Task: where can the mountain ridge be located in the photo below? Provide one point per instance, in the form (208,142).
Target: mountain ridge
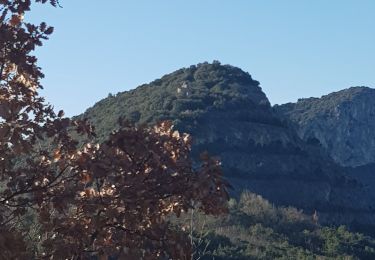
(228,114)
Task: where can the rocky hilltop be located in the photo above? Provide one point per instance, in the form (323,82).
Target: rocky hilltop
(229,116)
(343,122)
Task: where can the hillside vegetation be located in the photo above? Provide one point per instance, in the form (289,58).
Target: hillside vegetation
(256,229)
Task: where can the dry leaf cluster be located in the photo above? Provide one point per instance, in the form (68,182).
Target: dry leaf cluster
(87,200)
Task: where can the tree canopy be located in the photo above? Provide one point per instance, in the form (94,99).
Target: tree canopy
(82,198)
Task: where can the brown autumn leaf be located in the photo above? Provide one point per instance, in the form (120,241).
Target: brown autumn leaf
(85,177)
(16,19)
(56,155)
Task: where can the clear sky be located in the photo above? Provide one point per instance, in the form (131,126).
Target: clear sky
(295,48)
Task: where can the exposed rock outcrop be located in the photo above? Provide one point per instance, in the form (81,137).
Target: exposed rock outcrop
(343,122)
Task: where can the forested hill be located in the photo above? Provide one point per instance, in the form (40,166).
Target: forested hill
(186,94)
(228,115)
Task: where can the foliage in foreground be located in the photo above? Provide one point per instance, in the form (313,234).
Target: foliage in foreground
(64,199)
(255,229)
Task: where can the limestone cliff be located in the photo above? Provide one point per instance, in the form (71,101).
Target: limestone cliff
(343,122)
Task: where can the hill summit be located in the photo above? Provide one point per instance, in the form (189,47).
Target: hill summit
(186,94)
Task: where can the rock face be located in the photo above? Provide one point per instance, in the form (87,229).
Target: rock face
(229,116)
(343,122)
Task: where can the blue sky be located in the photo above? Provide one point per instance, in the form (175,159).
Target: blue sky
(295,48)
